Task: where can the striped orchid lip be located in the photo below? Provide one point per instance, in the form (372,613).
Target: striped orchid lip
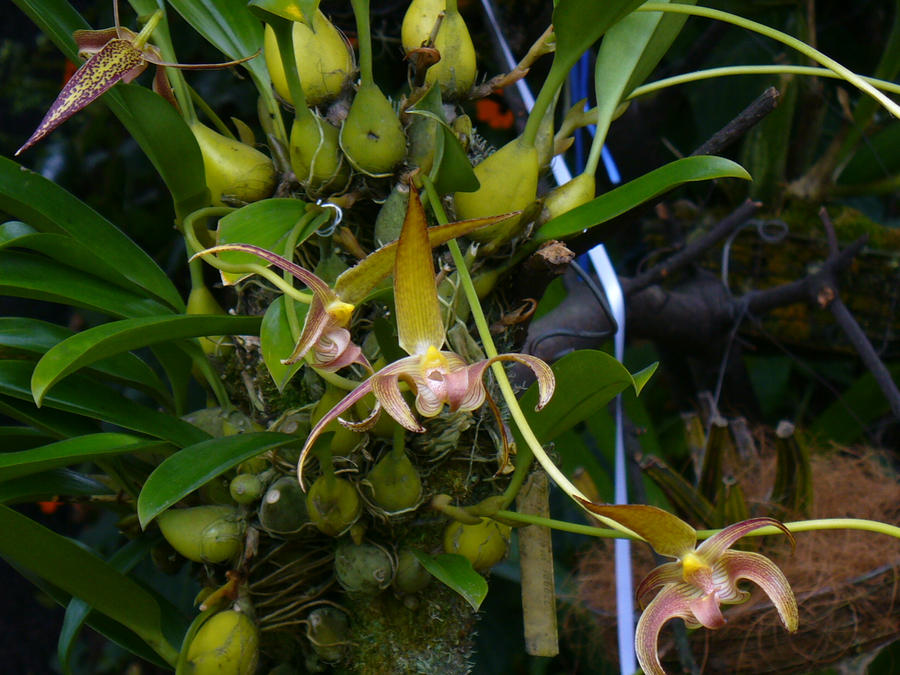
(437,377)
(115,54)
(703,577)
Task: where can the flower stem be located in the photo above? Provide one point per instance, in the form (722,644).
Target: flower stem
(505,387)
(724,71)
(784,38)
(820,524)
(364,38)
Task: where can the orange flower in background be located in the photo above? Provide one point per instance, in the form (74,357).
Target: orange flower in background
(494,112)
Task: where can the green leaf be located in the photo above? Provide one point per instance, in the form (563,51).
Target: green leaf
(47,207)
(80,573)
(71,451)
(49,484)
(847,419)
(451,169)
(293,10)
(265,224)
(15,439)
(77,611)
(37,337)
(277,341)
(586,380)
(66,250)
(578,24)
(85,397)
(26,275)
(169,144)
(231,27)
(456,572)
(635,192)
(110,339)
(194,466)
(55,423)
(619,56)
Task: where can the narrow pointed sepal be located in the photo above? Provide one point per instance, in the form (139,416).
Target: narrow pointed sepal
(765,574)
(117,60)
(715,546)
(419,323)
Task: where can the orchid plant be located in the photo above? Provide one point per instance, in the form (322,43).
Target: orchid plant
(58,249)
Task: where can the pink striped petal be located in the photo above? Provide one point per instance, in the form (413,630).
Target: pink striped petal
(671,602)
(766,574)
(706,611)
(713,548)
(667,573)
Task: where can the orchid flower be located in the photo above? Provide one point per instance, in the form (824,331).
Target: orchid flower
(325,335)
(703,577)
(437,377)
(116,54)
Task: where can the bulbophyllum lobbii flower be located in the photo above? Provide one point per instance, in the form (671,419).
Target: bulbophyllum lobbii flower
(325,336)
(437,377)
(703,577)
(116,54)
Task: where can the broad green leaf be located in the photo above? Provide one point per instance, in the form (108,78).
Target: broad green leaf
(71,451)
(15,439)
(177,366)
(49,484)
(635,192)
(231,27)
(112,630)
(619,55)
(169,144)
(277,341)
(37,337)
(70,567)
(266,224)
(27,275)
(77,611)
(668,534)
(456,572)
(47,207)
(293,10)
(847,420)
(196,465)
(55,423)
(656,47)
(578,24)
(586,380)
(85,397)
(116,337)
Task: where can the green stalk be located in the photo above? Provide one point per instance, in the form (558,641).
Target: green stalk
(337,380)
(364,38)
(698,75)
(211,114)
(797,526)
(158,27)
(196,247)
(505,387)
(399,443)
(284,35)
(555,79)
(783,38)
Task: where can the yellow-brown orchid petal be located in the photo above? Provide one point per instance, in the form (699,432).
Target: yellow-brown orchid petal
(668,534)
(713,548)
(670,602)
(342,406)
(355,283)
(545,378)
(385,386)
(419,323)
(117,60)
(765,574)
(316,323)
(335,350)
